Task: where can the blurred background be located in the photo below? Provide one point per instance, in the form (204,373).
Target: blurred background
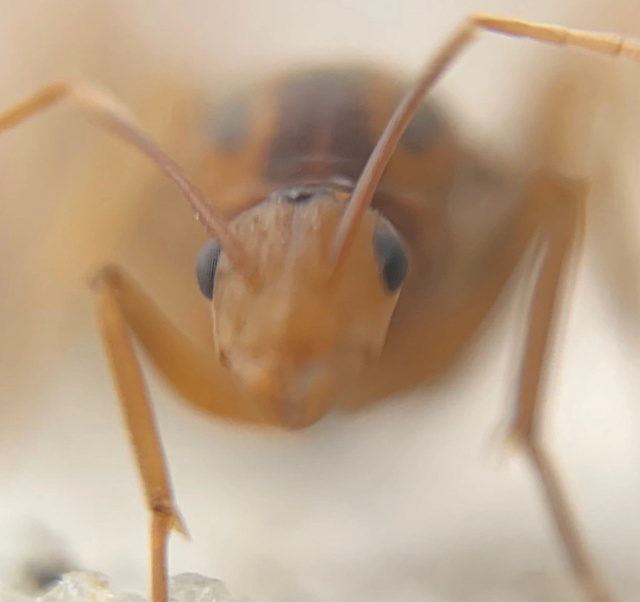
(414,500)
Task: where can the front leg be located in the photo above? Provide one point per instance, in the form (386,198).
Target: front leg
(193,372)
(122,309)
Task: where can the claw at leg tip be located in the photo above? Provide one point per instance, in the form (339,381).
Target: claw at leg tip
(180,526)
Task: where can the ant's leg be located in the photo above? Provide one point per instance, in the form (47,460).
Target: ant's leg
(560,208)
(123,309)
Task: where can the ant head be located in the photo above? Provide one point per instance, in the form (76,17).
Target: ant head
(298,330)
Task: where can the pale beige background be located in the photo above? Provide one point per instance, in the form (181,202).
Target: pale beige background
(407,502)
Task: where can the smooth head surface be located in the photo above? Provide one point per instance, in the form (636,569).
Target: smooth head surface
(298,332)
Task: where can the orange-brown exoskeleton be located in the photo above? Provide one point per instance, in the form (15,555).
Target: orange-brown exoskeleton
(357,247)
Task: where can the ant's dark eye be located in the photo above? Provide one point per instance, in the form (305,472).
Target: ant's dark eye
(392,257)
(206,267)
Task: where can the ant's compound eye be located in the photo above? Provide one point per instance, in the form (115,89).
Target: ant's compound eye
(391,253)
(206,267)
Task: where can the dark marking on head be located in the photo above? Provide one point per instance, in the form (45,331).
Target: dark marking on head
(299,195)
(424,129)
(392,255)
(304,194)
(232,124)
(324,126)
